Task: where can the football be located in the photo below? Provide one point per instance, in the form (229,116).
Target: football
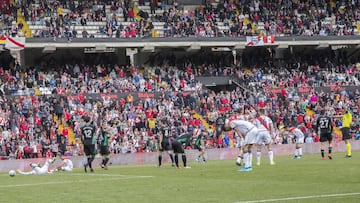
(12,173)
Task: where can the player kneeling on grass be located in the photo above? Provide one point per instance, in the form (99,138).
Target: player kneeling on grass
(297,135)
(37,169)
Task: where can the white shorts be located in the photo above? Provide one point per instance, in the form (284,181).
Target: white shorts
(299,140)
(66,168)
(239,142)
(263,137)
(251,137)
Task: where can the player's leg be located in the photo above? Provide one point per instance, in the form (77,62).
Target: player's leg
(32,172)
(346,138)
(322,143)
(161,148)
(299,148)
(239,145)
(330,146)
(271,154)
(176,159)
(258,154)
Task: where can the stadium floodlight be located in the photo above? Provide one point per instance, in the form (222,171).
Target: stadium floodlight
(49,49)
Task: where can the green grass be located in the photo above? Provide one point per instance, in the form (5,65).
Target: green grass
(216,181)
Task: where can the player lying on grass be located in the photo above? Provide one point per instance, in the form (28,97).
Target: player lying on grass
(37,169)
(66,164)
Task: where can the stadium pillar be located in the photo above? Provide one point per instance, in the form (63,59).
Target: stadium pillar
(131,52)
(234,55)
(18,56)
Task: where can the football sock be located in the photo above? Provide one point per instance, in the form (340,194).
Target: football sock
(106,160)
(239,158)
(330,150)
(258,156)
(250,159)
(322,153)
(296,152)
(172,158)
(348,149)
(246,159)
(184,159)
(160,158)
(176,160)
(300,151)
(271,156)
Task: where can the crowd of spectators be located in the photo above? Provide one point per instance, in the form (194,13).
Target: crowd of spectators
(30,123)
(228,18)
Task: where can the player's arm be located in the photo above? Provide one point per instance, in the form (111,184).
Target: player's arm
(239,133)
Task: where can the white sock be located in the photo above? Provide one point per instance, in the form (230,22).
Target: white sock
(300,151)
(271,156)
(258,156)
(238,160)
(246,159)
(296,152)
(250,159)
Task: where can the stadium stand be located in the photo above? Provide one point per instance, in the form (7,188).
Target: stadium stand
(42,105)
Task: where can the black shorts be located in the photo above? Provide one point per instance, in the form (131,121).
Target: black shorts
(89,149)
(104,150)
(345,133)
(166,145)
(325,137)
(199,147)
(178,148)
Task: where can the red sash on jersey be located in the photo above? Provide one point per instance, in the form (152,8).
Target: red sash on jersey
(263,122)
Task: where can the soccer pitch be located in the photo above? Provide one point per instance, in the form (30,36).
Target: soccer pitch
(302,180)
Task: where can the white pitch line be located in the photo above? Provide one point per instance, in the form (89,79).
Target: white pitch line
(101,174)
(73,181)
(303,197)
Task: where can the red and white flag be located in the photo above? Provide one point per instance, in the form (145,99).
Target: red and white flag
(269,39)
(15,43)
(259,40)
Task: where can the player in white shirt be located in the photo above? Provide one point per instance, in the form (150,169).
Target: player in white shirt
(37,169)
(297,135)
(266,130)
(248,131)
(66,165)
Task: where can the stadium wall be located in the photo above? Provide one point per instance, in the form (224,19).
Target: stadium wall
(151,157)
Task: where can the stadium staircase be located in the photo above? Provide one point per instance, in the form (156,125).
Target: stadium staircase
(71,136)
(20,19)
(203,121)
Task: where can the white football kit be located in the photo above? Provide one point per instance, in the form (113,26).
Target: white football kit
(296,134)
(67,165)
(263,123)
(37,170)
(247,129)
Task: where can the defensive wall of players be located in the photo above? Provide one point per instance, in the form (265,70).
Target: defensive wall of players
(151,157)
